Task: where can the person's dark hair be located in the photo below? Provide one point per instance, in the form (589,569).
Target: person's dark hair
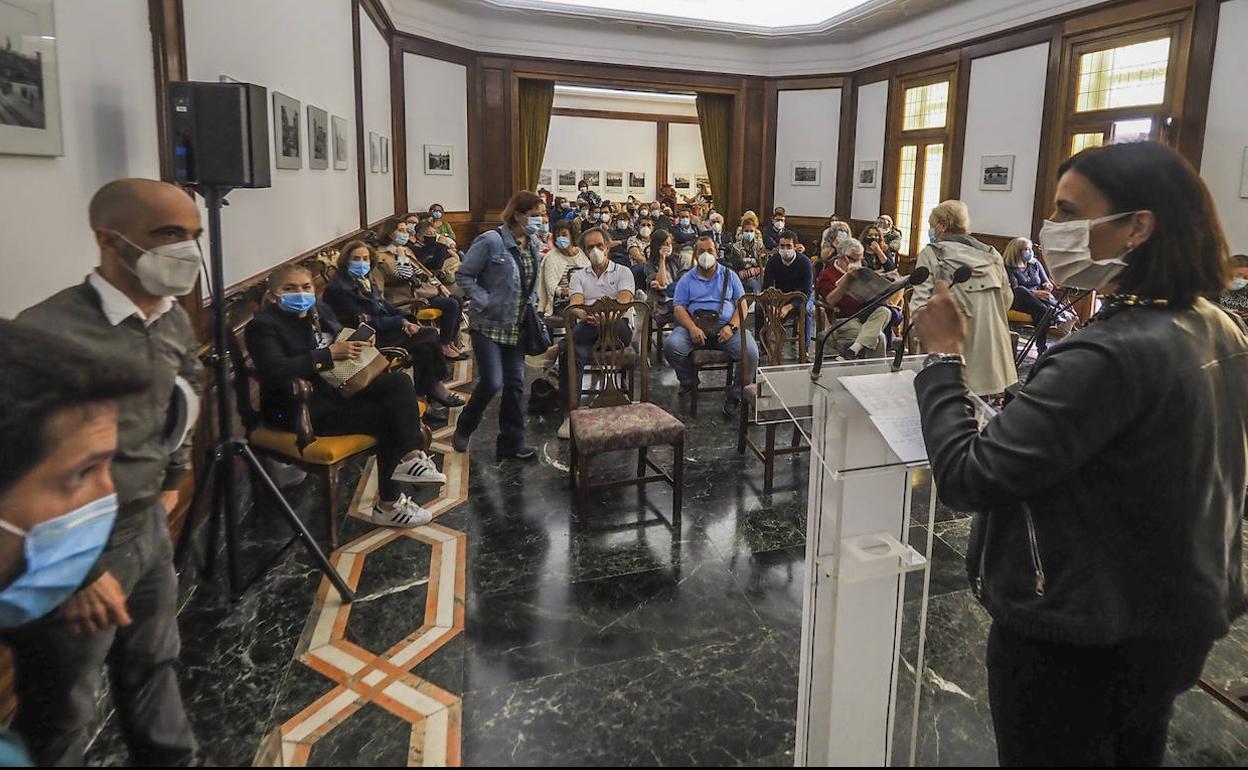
(437,206)
(646,220)
(44,374)
(786,233)
(657,239)
(387,230)
(1240,260)
(520,203)
(344,256)
(580,240)
(1187,255)
(709,238)
(425,223)
(561,226)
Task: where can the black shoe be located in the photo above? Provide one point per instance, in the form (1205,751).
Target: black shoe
(731,407)
(459,442)
(525,452)
(453,399)
(436,416)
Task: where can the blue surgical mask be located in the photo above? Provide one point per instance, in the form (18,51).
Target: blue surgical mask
(298,302)
(1238,284)
(59,554)
(931,234)
(534,226)
(400,239)
(1029,255)
(437,215)
(747,236)
(563,242)
(359,269)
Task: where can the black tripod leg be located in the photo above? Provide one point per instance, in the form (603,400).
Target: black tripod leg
(214,527)
(308,541)
(203,483)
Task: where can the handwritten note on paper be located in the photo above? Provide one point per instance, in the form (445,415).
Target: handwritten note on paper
(890,402)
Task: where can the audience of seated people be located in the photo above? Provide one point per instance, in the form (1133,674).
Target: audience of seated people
(864,336)
(407,281)
(435,251)
(748,256)
(558,265)
(296,337)
(788,271)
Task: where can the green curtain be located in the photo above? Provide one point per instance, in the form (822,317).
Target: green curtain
(715,120)
(536,97)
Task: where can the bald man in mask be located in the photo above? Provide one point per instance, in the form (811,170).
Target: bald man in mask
(125,612)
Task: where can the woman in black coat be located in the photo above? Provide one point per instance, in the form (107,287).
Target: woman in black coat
(291,338)
(356,299)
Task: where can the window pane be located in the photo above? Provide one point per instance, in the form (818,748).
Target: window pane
(925,106)
(905,192)
(1123,77)
(1132,130)
(933,164)
(1081,142)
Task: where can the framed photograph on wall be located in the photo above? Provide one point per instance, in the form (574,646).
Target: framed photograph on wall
(545,178)
(614,182)
(567,180)
(318,137)
(636,182)
(682,180)
(438,159)
(385,155)
(867,172)
(996,172)
(593,178)
(286,131)
(30,99)
(374,152)
(806,173)
(704,180)
(341,148)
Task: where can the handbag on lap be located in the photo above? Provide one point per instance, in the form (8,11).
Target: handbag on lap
(351,375)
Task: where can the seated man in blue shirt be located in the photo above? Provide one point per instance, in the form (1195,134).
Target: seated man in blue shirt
(715,288)
(788,270)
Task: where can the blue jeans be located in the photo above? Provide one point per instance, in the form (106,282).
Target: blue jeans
(677,347)
(499,367)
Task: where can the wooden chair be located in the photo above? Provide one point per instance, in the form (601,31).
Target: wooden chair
(772,341)
(613,421)
(320,455)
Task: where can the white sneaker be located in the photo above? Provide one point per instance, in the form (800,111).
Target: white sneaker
(418,471)
(405,513)
(565,430)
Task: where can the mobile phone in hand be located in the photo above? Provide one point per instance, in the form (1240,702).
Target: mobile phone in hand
(362,334)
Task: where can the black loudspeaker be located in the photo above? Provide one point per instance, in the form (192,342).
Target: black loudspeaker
(220,134)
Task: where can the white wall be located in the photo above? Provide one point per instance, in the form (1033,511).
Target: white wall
(684,155)
(636,101)
(808,126)
(375,80)
(603,145)
(109,127)
(1004,116)
(437,113)
(1226,129)
(869,145)
(310,60)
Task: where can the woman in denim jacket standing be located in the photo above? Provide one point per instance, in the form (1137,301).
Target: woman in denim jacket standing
(498,266)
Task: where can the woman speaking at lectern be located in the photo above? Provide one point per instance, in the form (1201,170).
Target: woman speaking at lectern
(1110,492)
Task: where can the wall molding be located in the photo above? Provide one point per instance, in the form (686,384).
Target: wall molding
(648,117)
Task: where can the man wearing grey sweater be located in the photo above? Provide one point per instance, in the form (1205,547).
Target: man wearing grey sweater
(125,613)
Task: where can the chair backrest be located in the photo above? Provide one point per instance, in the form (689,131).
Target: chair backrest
(608,355)
(773,336)
(246,380)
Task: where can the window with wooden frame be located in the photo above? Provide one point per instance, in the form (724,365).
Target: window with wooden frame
(922,126)
(1121,82)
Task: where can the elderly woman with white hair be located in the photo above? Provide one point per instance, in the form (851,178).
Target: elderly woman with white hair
(864,336)
(985,298)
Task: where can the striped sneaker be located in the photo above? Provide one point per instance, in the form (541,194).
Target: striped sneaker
(405,513)
(418,471)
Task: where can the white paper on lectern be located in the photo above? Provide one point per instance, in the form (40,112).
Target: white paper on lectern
(890,402)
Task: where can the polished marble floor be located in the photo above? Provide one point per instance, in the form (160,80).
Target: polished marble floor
(503,634)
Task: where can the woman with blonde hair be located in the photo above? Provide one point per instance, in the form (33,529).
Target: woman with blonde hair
(1033,291)
(985,298)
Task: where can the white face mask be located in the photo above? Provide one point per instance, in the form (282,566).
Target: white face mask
(706,260)
(169,270)
(1069,255)
(644,232)
(597,256)
(788,255)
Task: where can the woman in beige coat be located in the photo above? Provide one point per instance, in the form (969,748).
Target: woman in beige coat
(985,298)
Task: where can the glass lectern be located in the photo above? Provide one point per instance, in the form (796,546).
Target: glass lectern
(868,553)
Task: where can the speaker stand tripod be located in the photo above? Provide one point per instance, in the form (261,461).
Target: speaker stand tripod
(223,513)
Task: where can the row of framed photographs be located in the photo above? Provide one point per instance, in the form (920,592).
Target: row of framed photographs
(287,135)
(608,182)
(996,172)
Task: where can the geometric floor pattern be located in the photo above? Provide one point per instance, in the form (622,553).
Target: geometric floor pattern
(357,676)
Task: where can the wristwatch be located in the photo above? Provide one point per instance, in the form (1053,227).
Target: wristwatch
(943,358)
(733,327)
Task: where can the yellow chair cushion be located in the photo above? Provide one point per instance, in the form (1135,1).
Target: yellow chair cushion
(1018,317)
(326,450)
(428,314)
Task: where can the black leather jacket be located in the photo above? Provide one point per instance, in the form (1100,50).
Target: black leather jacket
(1110,492)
